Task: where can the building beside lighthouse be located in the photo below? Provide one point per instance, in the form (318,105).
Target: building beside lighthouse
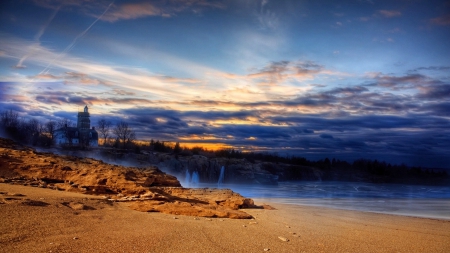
(82,135)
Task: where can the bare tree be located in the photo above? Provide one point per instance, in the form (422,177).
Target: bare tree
(64,122)
(33,128)
(124,133)
(9,119)
(104,128)
(11,124)
(131,137)
(50,128)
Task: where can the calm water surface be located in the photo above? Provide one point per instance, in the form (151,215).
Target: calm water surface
(410,200)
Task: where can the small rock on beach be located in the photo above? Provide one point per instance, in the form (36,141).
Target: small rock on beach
(284,239)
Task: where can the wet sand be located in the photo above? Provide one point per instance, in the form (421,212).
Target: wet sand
(44,220)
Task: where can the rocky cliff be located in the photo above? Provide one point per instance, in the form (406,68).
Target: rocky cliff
(236,170)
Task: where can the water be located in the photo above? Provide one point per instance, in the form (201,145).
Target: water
(410,200)
(195,179)
(191,181)
(220,181)
(187,179)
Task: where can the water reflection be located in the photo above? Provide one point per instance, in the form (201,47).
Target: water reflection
(411,200)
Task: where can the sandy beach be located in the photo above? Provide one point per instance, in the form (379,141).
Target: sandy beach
(44,220)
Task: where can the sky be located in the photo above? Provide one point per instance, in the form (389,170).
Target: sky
(338,79)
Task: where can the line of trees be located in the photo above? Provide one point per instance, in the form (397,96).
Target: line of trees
(31,131)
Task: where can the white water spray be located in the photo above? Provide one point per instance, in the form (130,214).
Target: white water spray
(195,179)
(187,178)
(222,171)
(191,180)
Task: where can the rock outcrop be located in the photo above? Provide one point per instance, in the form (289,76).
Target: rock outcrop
(219,203)
(147,189)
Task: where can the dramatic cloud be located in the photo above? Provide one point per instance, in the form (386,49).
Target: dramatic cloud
(64,97)
(358,134)
(272,74)
(47,77)
(308,69)
(84,98)
(278,72)
(408,81)
(436,91)
(70,77)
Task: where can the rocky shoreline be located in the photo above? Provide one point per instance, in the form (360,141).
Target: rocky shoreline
(147,190)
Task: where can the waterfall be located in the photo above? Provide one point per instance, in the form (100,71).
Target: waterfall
(187,179)
(195,179)
(222,171)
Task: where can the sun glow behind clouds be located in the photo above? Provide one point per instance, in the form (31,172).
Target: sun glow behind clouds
(206,145)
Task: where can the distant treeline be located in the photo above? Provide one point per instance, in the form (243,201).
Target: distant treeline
(334,169)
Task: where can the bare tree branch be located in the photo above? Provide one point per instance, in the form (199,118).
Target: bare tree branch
(9,119)
(104,129)
(64,122)
(50,128)
(124,133)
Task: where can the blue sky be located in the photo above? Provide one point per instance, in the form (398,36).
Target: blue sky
(344,79)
